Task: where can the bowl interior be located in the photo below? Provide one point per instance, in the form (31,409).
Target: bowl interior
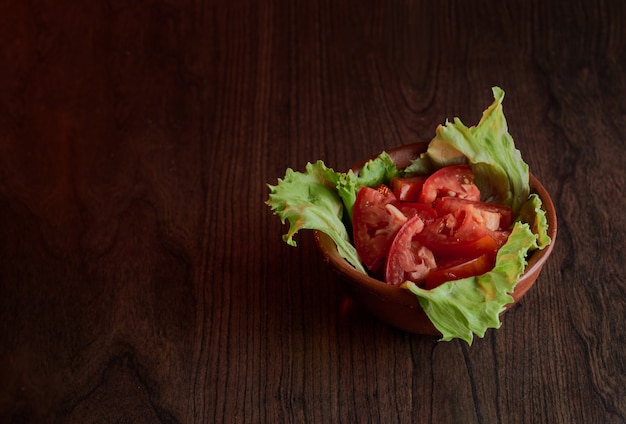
(398,307)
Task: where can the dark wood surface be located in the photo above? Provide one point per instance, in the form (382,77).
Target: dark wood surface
(143,280)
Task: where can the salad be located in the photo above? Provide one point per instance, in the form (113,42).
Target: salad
(454,227)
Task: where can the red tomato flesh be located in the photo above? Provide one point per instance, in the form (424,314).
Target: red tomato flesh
(469,240)
(496,217)
(410,209)
(452,181)
(458,270)
(407,189)
(376,218)
(374,227)
(408,259)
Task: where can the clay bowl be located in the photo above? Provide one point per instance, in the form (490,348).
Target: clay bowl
(398,307)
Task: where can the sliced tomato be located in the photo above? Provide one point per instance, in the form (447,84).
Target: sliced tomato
(408,259)
(407,189)
(500,236)
(496,217)
(462,234)
(375,222)
(410,209)
(448,246)
(457,270)
(453,181)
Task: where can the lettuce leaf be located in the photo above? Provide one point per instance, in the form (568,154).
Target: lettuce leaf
(462,308)
(309,200)
(532,213)
(375,172)
(500,173)
(316,200)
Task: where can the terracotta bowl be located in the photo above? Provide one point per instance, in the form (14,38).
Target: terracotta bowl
(399,307)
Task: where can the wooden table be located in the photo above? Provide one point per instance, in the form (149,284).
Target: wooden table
(142,278)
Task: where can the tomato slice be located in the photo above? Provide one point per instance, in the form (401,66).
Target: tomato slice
(496,217)
(408,259)
(407,189)
(457,270)
(462,234)
(410,209)
(454,181)
(445,245)
(375,222)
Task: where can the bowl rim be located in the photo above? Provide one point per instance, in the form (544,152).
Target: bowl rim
(386,291)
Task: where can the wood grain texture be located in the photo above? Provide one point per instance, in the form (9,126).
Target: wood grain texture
(142,279)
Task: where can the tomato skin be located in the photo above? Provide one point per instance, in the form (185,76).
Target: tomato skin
(455,180)
(373,226)
(458,270)
(408,259)
(407,189)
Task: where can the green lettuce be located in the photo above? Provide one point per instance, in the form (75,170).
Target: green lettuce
(532,213)
(462,308)
(309,200)
(500,173)
(375,172)
(316,200)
